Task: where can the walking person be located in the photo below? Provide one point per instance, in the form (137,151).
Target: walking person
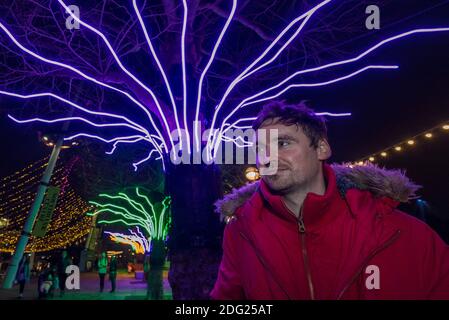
(113,272)
(102,269)
(46,286)
(55,279)
(23,274)
(42,278)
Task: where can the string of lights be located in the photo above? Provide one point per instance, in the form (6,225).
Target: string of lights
(14,190)
(407,144)
(29,169)
(69,224)
(16,200)
(17,216)
(70,234)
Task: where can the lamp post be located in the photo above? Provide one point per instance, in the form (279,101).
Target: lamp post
(28,227)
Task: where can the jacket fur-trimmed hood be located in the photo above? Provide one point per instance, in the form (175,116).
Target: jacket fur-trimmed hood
(380,182)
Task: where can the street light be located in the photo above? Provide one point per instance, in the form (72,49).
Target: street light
(50,141)
(32,214)
(252,174)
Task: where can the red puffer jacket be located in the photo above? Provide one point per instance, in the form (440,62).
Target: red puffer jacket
(352,243)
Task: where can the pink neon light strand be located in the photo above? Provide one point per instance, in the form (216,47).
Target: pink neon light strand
(156,59)
(124,69)
(360,56)
(85,76)
(307,15)
(203,74)
(184,76)
(319,84)
(342,62)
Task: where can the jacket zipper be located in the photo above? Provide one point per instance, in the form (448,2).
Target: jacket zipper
(302,231)
(305,256)
(386,244)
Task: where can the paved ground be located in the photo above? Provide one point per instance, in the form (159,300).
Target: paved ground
(127,288)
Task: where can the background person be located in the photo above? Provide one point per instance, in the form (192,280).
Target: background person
(102,269)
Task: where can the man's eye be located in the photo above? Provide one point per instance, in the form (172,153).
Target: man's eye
(283,143)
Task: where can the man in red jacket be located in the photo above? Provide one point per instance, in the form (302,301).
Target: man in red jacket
(314,231)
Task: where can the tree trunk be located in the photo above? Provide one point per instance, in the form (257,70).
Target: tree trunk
(195,239)
(157,261)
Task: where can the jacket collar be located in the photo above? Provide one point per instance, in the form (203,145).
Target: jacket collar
(391,186)
(317,210)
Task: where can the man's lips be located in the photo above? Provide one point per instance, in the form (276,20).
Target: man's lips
(273,165)
(277,171)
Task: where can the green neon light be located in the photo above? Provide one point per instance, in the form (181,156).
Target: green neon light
(135,210)
(149,204)
(132,203)
(127,215)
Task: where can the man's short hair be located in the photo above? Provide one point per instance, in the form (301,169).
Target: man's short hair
(314,126)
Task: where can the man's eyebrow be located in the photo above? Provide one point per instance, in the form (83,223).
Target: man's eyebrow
(286,137)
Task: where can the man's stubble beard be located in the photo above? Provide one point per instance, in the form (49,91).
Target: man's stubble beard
(280,183)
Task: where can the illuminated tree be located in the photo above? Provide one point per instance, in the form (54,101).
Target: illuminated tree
(138,242)
(134,209)
(141,72)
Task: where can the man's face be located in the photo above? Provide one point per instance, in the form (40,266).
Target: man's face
(298,163)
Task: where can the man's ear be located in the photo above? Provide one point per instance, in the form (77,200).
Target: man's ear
(324,151)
